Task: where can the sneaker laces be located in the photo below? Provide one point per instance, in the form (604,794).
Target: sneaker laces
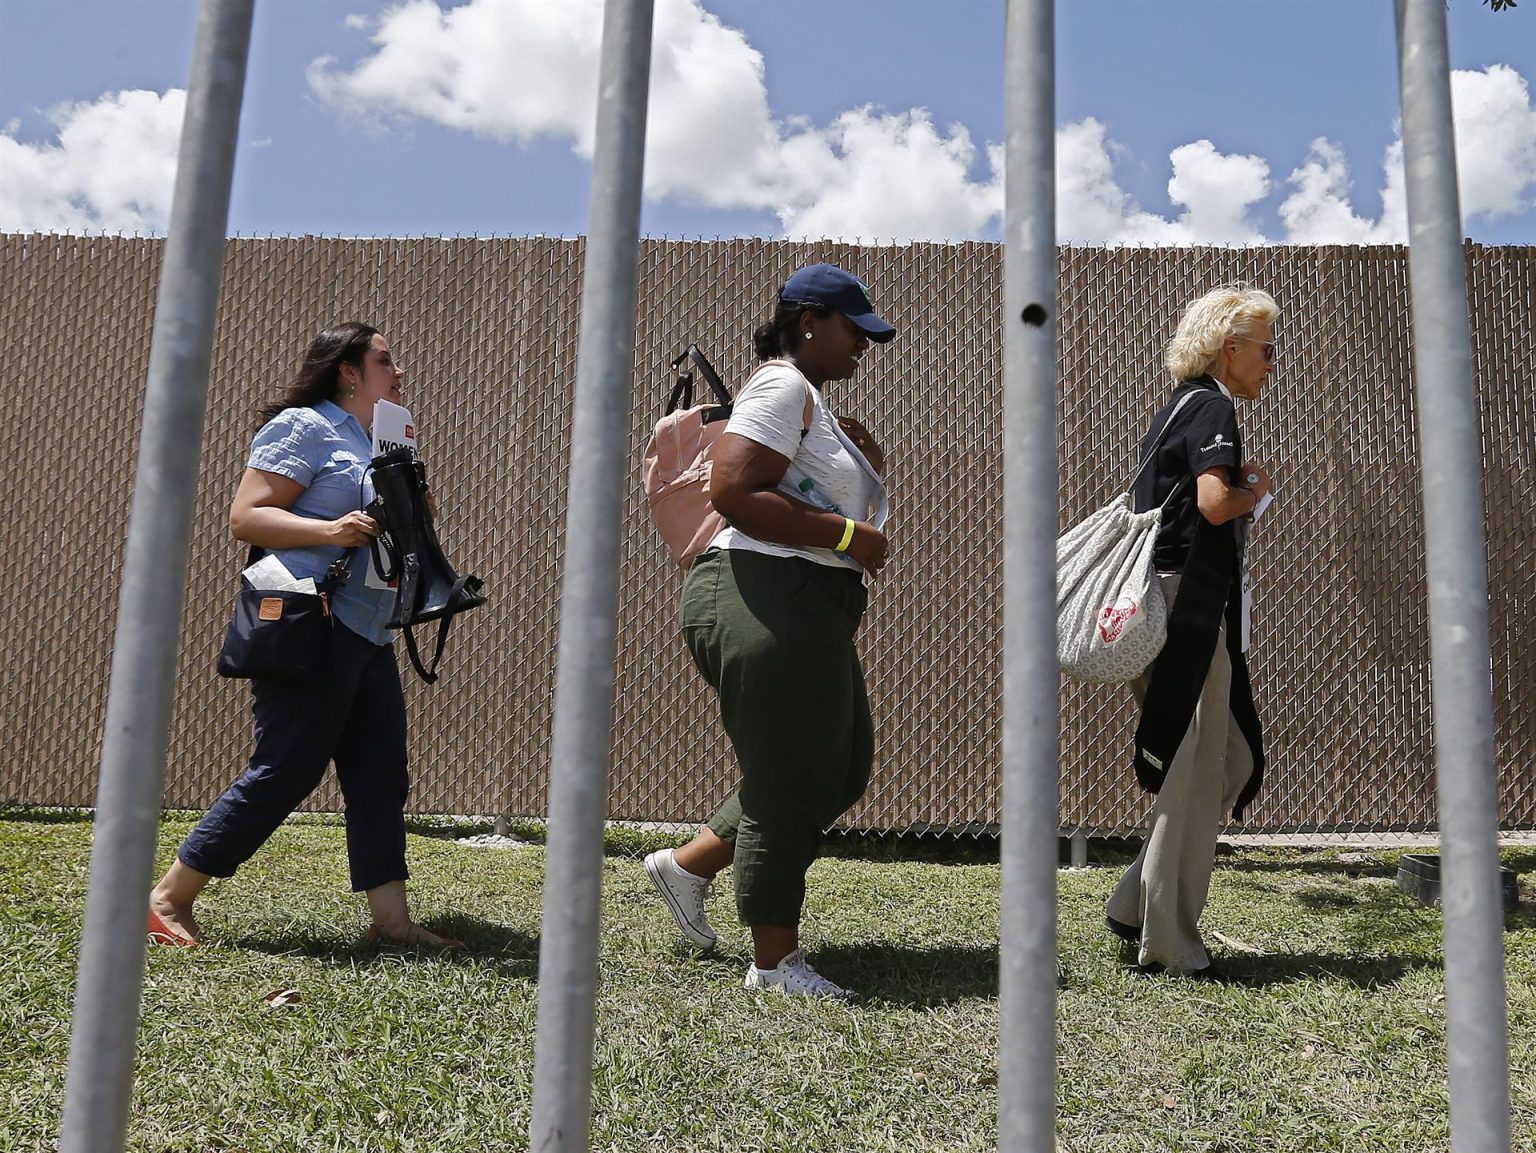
(696,886)
(811,980)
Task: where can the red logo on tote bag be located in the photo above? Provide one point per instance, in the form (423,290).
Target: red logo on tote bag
(1113,619)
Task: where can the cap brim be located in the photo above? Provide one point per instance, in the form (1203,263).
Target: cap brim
(873,327)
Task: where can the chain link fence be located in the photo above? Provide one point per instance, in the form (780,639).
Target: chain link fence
(487,330)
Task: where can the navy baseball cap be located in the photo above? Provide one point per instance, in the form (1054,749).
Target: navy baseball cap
(842,291)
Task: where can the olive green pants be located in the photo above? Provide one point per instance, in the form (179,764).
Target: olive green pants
(774,637)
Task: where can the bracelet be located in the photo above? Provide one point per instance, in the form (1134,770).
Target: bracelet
(842,545)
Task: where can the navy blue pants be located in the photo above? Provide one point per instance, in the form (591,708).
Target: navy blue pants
(350,710)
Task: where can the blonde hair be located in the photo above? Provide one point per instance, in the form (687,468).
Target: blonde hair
(1207,324)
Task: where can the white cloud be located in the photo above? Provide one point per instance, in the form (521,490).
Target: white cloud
(875,176)
(1495,126)
(526,72)
(112,169)
(1318,210)
(1091,207)
(509,72)
(1495,141)
(1217,192)
(523,72)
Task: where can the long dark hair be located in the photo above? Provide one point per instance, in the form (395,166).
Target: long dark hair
(782,333)
(319,377)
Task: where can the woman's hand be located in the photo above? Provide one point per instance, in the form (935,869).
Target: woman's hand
(1256,480)
(864,442)
(1223,494)
(356,528)
(869,547)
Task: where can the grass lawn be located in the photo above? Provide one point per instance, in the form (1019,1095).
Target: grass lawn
(1334,1040)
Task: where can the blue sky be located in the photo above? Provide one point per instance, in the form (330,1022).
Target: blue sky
(1215,121)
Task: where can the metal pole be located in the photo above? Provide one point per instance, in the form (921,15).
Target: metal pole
(578,789)
(1027,1045)
(1079,850)
(99,1082)
(1449,447)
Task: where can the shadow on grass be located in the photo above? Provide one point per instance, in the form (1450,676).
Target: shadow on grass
(916,977)
(1380,862)
(1238,861)
(510,952)
(1287,968)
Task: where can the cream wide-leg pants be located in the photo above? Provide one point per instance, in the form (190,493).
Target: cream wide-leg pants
(1165,889)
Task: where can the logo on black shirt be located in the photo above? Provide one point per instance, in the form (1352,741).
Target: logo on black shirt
(1219,442)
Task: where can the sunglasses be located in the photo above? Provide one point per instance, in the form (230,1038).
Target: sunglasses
(1267,345)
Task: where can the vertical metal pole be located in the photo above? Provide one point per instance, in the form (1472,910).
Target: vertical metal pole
(578,790)
(99,1082)
(1079,850)
(1449,448)
(1027,1049)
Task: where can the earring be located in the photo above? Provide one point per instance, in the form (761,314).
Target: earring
(809,335)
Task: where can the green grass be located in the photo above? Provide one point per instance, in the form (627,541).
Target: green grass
(1335,1040)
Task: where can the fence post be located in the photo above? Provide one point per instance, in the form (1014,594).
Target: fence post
(99,1082)
(1027,978)
(1456,544)
(579,746)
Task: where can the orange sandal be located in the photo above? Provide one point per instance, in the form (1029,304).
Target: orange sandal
(377,936)
(161,933)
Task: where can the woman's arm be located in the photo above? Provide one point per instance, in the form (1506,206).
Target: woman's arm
(743,488)
(1220,501)
(260,516)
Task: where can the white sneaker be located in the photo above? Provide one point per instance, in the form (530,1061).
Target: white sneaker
(684,895)
(795,978)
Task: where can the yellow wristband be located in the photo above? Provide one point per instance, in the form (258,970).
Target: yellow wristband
(842,545)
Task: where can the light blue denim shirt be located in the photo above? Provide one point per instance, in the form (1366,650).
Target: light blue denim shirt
(325,449)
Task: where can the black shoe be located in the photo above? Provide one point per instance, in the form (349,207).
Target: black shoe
(1131,933)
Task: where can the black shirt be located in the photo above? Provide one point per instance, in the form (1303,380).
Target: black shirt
(1202,436)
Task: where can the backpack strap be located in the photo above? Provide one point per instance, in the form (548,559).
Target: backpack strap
(473,584)
(1158,439)
(682,391)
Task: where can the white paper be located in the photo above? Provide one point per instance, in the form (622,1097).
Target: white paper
(271,575)
(392,429)
(1264,502)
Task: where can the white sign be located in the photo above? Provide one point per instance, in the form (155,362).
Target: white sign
(392,429)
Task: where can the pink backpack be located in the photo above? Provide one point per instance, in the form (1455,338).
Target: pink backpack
(676,466)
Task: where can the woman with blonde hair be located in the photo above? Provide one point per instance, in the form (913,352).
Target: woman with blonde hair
(1198,744)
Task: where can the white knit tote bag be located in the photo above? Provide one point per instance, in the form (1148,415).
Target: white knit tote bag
(1111,618)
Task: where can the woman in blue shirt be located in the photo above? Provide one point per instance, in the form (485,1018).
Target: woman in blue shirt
(301,499)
